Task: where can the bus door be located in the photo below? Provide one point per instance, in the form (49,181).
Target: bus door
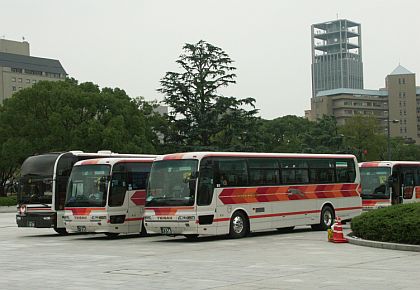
(207,215)
(408,185)
(137,174)
(118,199)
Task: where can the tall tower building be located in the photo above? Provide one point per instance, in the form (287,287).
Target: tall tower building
(336,56)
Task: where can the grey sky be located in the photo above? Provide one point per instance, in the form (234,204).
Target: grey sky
(131,44)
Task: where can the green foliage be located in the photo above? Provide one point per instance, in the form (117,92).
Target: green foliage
(65,115)
(398,224)
(363,137)
(8,200)
(200,117)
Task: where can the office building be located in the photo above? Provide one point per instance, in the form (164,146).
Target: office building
(336,56)
(400,99)
(19,70)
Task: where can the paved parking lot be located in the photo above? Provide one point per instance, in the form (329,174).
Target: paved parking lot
(39,259)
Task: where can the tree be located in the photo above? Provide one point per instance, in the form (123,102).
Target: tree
(200,116)
(65,115)
(363,137)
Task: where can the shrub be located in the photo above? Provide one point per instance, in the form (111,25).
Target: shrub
(396,224)
(8,200)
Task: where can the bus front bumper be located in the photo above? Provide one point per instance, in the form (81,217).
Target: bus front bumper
(37,220)
(171,228)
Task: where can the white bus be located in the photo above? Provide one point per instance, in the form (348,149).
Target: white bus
(42,187)
(389,182)
(217,193)
(107,196)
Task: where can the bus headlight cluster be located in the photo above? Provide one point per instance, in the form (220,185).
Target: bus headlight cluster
(46,218)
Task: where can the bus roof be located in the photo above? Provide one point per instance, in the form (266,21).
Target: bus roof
(387,163)
(200,155)
(113,161)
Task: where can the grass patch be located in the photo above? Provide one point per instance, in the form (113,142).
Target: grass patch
(395,224)
(8,200)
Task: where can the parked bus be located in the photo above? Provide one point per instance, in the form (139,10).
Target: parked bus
(42,187)
(217,193)
(389,182)
(107,196)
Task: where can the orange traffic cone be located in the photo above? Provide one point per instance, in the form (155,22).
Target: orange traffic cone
(337,229)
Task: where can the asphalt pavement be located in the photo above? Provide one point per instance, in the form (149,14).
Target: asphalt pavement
(40,259)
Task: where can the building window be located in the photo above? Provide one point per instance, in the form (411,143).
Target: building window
(20,88)
(16,70)
(28,81)
(33,72)
(14,88)
(19,80)
(13,79)
(34,81)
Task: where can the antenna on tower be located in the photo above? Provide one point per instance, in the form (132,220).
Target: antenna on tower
(23,38)
(337,15)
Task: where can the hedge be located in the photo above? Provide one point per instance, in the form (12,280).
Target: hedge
(8,200)
(395,224)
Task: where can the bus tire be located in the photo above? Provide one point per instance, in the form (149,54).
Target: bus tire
(143,231)
(239,225)
(111,235)
(326,219)
(61,231)
(286,229)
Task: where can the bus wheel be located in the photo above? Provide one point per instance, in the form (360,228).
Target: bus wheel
(286,229)
(239,226)
(61,231)
(111,235)
(143,231)
(191,237)
(327,219)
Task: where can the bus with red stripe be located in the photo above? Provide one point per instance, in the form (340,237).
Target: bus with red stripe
(107,196)
(384,183)
(219,193)
(42,187)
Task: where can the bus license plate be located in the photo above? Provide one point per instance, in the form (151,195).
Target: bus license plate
(166,231)
(31,224)
(81,229)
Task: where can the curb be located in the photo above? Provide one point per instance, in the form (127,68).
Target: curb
(382,245)
(7,209)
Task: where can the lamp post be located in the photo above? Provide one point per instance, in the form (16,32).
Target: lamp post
(389,135)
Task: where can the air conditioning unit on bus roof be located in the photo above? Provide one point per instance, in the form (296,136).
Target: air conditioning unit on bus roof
(105,152)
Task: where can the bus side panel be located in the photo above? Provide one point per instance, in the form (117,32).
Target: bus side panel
(136,202)
(120,211)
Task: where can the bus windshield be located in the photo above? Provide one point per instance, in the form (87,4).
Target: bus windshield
(88,186)
(172,183)
(373,182)
(35,189)
(35,183)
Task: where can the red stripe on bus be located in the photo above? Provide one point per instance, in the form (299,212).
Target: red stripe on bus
(83,210)
(133,219)
(289,213)
(372,202)
(168,210)
(286,193)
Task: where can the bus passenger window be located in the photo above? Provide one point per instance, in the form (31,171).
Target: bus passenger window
(235,172)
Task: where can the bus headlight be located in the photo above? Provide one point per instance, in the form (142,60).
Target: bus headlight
(46,218)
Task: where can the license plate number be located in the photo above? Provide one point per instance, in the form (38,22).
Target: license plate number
(166,231)
(31,224)
(81,229)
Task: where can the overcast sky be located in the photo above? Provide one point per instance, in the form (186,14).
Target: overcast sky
(131,44)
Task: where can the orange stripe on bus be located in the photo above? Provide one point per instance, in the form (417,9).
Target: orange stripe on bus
(285,193)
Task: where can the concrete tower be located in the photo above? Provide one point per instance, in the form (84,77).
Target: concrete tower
(336,56)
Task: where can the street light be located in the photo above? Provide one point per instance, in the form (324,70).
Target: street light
(389,135)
